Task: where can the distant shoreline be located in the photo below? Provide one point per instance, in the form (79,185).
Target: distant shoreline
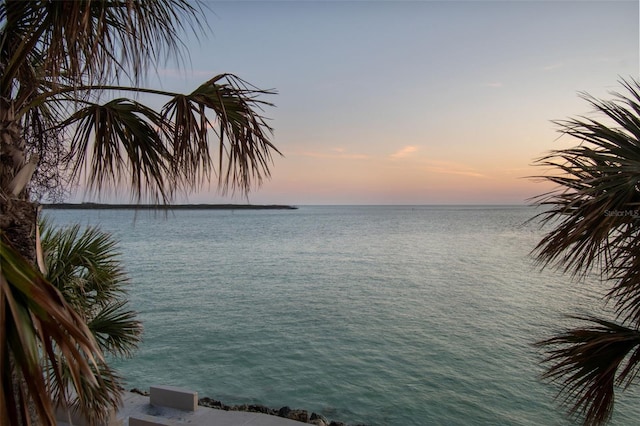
(99,206)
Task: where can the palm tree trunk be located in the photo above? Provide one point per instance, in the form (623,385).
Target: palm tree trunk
(18,215)
(18,220)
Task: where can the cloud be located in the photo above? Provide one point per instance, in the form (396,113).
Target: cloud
(552,67)
(451,168)
(404,152)
(449,171)
(338,156)
(495,84)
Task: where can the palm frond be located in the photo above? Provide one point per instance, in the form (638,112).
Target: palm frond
(596,208)
(88,402)
(94,40)
(159,154)
(116,329)
(85,266)
(599,188)
(589,361)
(243,133)
(18,21)
(122,140)
(38,323)
(595,214)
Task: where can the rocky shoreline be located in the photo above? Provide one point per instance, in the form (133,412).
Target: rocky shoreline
(285,412)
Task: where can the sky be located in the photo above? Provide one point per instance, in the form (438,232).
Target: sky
(413,102)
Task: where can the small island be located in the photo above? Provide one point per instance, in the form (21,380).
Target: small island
(99,206)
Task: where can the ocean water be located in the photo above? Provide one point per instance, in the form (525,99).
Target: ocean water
(383,315)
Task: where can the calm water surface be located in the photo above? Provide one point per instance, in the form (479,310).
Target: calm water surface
(386,315)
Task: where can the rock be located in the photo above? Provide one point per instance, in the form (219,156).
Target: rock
(284,412)
(139,392)
(318,420)
(299,415)
(261,409)
(212,403)
(243,407)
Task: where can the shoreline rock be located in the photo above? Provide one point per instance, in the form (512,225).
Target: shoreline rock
(285,412)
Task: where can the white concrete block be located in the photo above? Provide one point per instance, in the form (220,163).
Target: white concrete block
(169,396)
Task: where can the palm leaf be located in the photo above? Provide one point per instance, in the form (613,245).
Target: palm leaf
(94,40)
(589,361)
(88,402)
(117,330)
(57,58)
(595,214)
(122,140)
(38,322)
(85,266)
(243,134)
(162,153)
(596,208)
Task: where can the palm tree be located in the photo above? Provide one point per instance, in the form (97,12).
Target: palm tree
(65,67)
(595,215)
(85,267)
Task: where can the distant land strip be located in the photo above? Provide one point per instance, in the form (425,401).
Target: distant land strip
(99,206)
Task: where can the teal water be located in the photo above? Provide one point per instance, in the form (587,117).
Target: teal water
(385,315)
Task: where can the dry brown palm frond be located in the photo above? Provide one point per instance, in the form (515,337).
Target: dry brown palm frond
(589,361)
(61,61)
(595,219)
(243,133)
(39,326)
(158,154)
(120,140)
(94,40)
(596,208)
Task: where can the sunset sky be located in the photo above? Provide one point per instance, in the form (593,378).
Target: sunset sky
(422,102)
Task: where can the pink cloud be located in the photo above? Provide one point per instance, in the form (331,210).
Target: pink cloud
(404,152)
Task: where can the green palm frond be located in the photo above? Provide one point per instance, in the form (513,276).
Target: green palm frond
(122,142)
(116,329)
(38,327)
(589,361)
(85,266)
